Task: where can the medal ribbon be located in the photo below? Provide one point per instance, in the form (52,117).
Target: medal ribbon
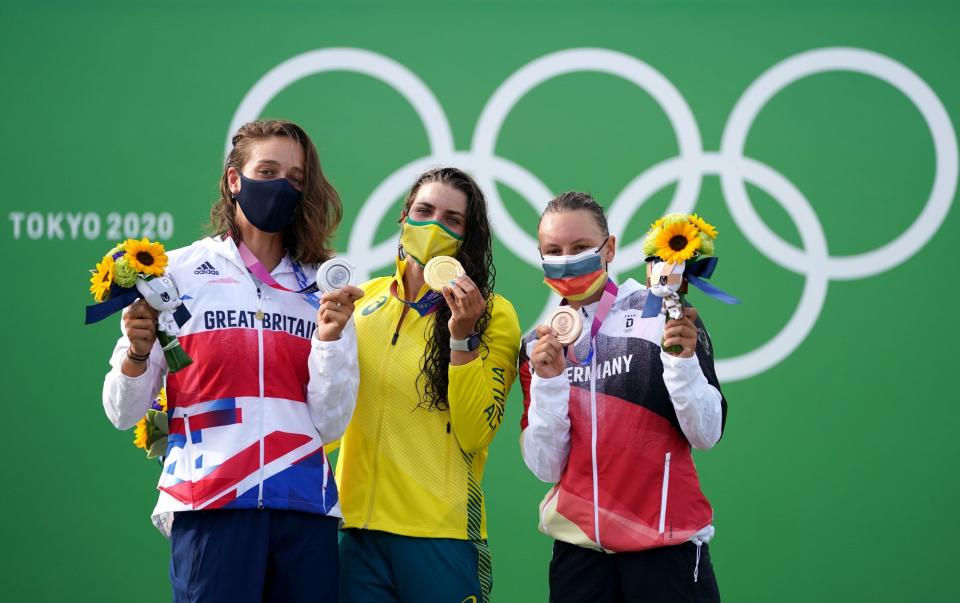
(424,306)
(603,308)
(257,269)
(302,280)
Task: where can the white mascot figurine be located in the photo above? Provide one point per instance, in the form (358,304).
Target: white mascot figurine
(162,295)
(665,282)
(680,249)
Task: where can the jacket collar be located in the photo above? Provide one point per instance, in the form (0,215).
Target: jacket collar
(628,288)
(625,290)
(398,277)
(226,247)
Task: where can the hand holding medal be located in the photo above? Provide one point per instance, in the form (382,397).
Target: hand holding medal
(335,279)
(445,274)
(566,324)
(547,358)
(563,329)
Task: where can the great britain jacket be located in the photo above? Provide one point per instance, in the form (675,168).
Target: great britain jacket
(249,418)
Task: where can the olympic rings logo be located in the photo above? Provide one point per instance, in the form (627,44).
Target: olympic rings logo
(687,169)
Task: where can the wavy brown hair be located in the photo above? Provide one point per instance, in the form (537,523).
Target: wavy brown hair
(307,239)
(476,256)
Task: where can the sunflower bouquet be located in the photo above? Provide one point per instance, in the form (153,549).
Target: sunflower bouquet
(681,248)
(135,269)
(676,238)
(152,430)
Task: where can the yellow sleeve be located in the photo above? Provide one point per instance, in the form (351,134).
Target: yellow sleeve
(477,391)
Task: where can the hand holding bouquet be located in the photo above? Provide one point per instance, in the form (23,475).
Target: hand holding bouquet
(135,269)
(680,250)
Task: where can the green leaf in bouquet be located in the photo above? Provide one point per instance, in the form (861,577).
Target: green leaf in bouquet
(160,419)
(157,448)
(157,431)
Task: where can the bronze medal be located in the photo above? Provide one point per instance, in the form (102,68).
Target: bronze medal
(567,323)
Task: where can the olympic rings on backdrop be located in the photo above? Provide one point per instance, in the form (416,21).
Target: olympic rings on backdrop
(687,169)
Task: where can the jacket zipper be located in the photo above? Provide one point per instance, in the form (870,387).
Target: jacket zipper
(593,446)
(383,407)
(262,409)
(663,493)
(259,319)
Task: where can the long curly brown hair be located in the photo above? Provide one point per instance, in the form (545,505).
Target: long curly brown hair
(476,256)
(308,237)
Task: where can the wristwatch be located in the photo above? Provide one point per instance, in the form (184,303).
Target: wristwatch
(469,344)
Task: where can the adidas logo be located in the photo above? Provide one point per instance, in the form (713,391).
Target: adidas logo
(206,268)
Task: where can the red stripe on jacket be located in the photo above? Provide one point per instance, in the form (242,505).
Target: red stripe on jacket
(215,375)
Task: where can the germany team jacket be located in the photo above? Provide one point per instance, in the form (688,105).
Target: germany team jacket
(615,435)
(249,417)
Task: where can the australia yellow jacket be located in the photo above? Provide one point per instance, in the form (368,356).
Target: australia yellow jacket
(403,468)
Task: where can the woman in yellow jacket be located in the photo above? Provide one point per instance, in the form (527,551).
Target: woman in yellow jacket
(435,371)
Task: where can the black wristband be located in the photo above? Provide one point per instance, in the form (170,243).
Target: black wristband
(136,358)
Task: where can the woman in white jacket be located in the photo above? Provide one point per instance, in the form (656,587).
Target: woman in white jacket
(247,495)
(610,420)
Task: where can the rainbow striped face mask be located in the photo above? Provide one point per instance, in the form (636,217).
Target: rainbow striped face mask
(575,277)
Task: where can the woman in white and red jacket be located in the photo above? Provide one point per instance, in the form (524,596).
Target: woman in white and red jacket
(611,422)
(247,495)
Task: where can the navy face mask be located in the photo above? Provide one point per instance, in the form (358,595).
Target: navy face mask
(268,204)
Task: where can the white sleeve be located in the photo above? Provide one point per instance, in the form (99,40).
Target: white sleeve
(334,379)
(696,402)
(546,440)
(126,399)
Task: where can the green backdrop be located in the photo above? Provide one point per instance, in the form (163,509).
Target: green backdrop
(836,478)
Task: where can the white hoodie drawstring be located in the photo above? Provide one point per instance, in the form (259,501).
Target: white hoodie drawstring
(696,568)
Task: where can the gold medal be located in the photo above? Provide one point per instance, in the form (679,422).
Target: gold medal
(440,271)
(259,315)
(566,322)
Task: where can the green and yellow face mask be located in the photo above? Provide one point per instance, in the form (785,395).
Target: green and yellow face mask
(423,241)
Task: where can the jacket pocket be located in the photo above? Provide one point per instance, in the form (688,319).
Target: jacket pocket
(664,492)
